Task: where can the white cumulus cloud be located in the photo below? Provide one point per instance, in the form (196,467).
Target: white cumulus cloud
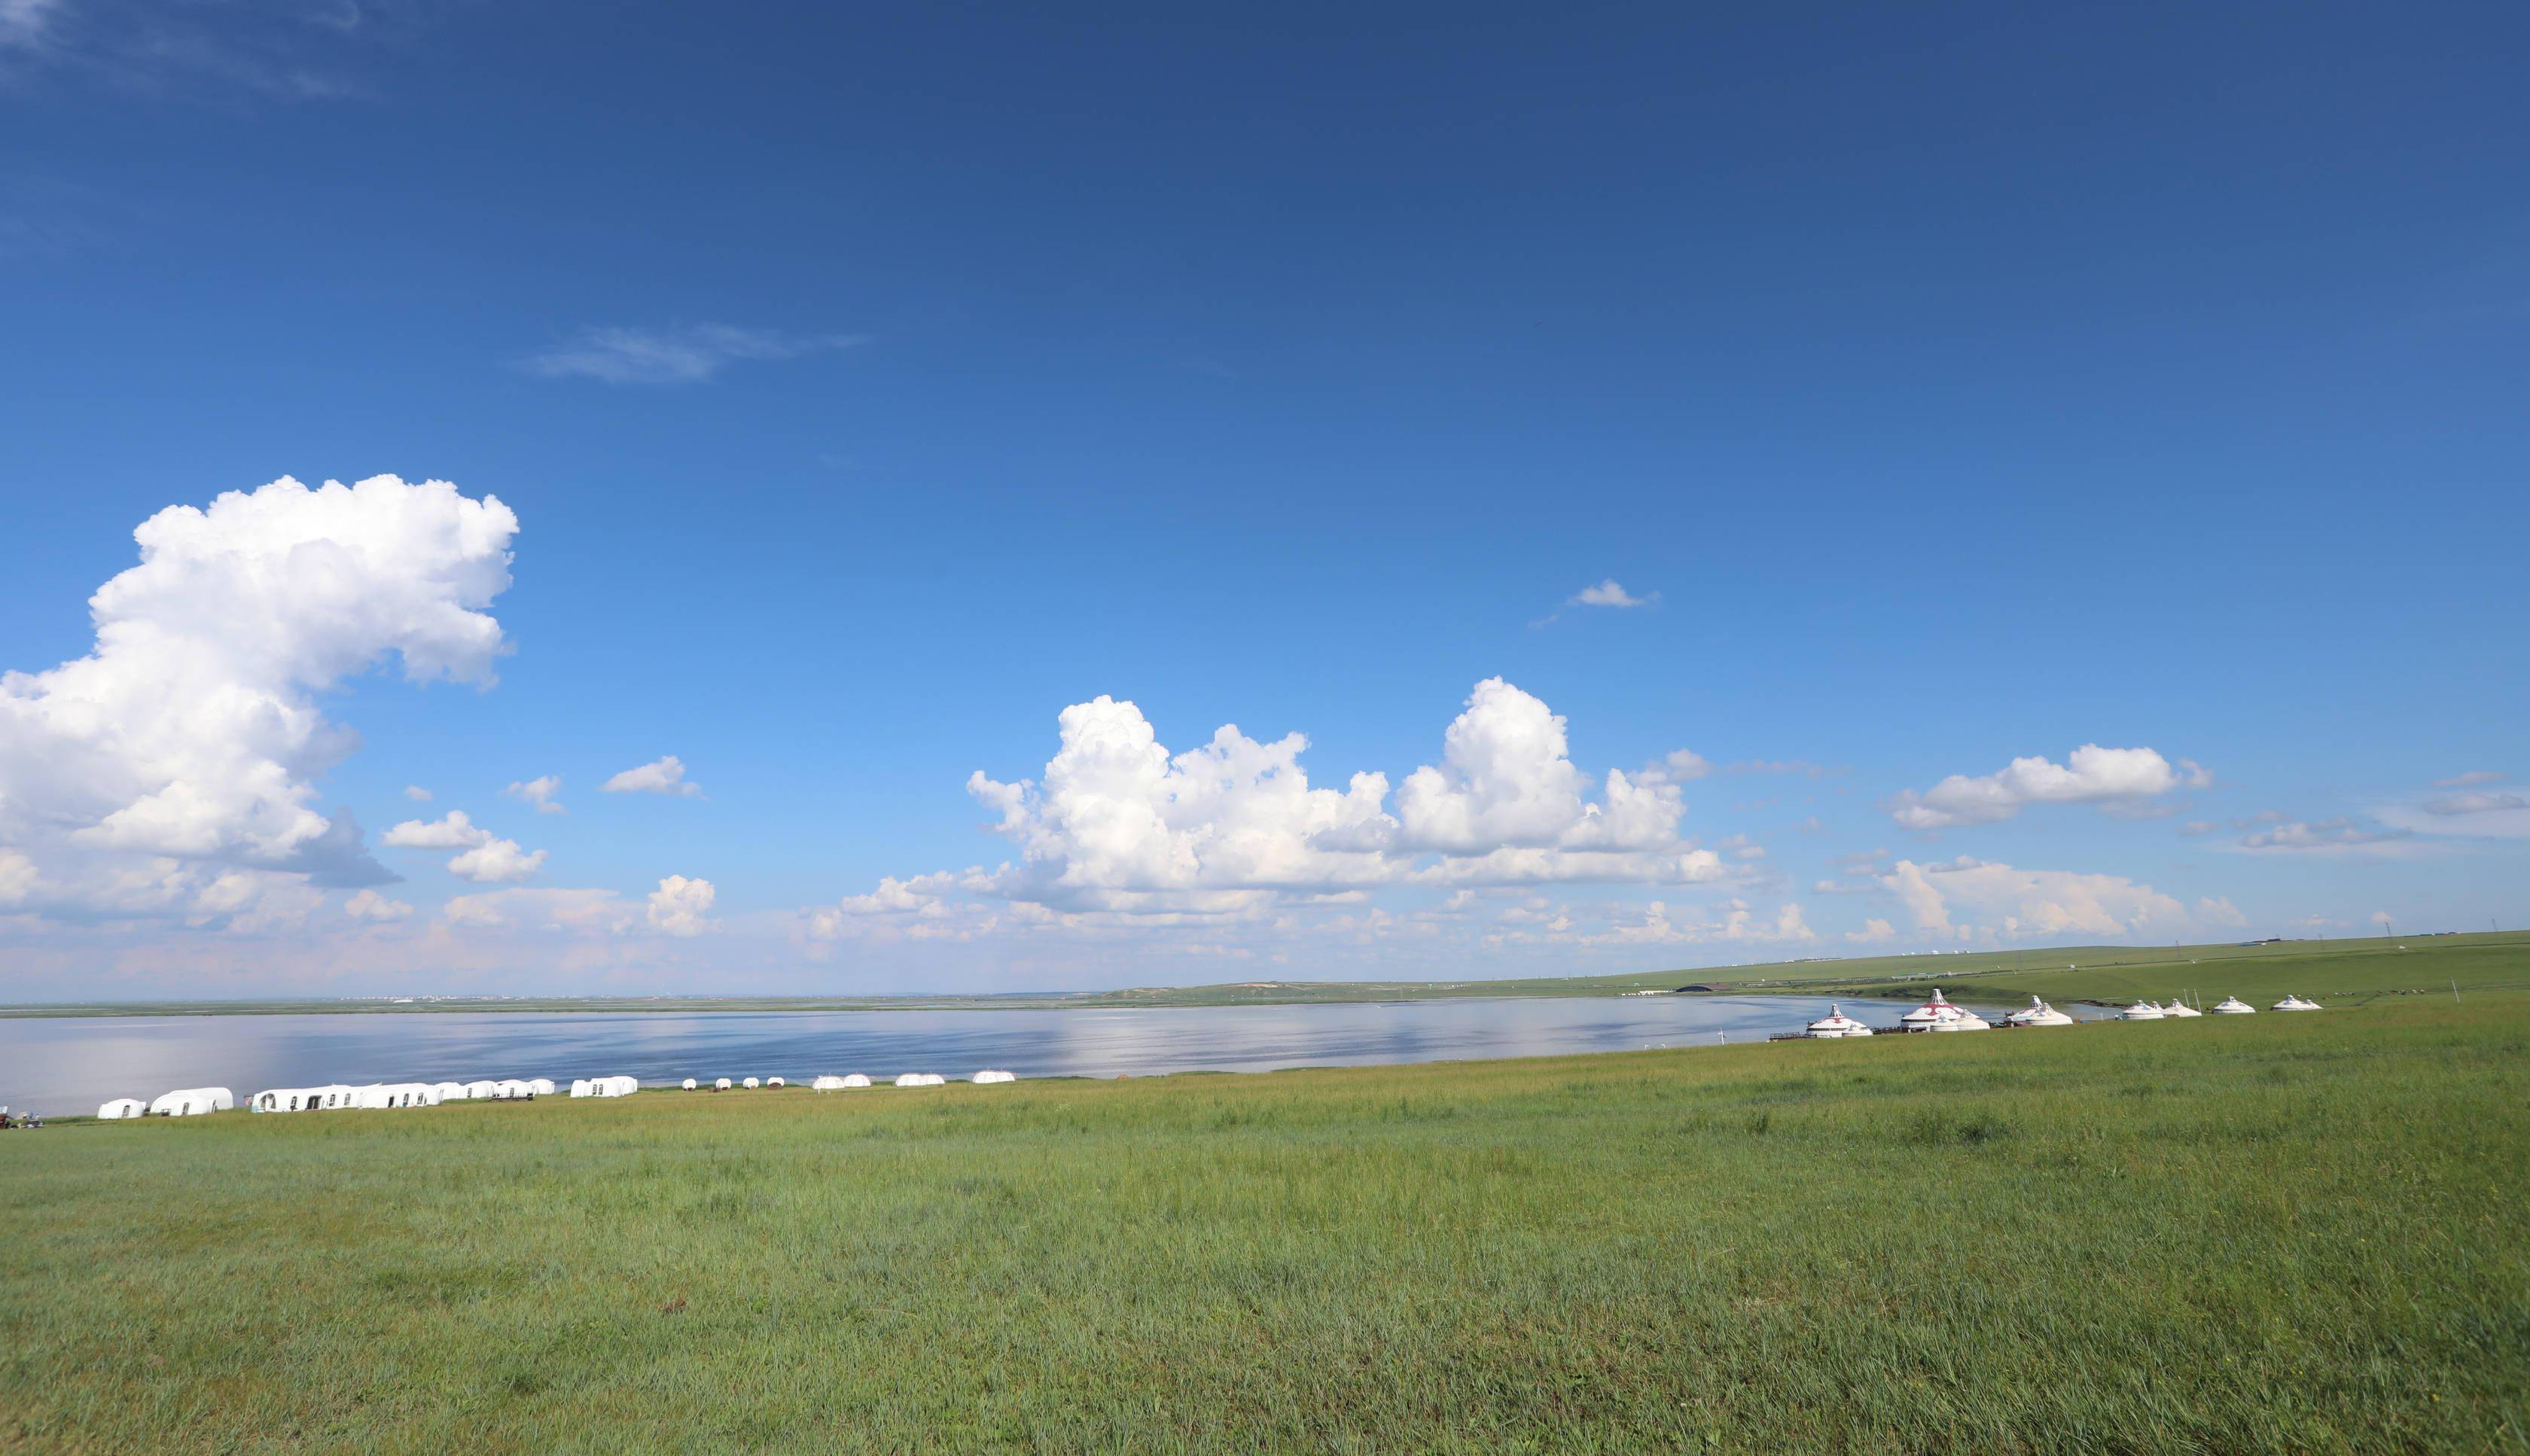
(2090,775)
(487,859)
(416,793)
(1118,824)
(1609,594)
(2470,779)
(497,862)
(190,735)
(539,792)
(681,907)
(664,775)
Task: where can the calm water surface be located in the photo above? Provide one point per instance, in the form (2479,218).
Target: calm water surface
(58,1066)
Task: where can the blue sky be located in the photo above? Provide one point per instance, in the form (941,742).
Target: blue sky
(1952,388)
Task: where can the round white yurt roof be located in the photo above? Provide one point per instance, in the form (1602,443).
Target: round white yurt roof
(1935,1010)
(988,1075)
(774,1082)
(1834,1020)
(689,1084)
(541,1086)
(856,1079)
(908,1079)
(449,1089)
(753,1082)
(123,1107)
(193,1099)
(719,1084)
(481,1087)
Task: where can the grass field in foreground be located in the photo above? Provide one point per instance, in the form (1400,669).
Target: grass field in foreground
(2255,1234)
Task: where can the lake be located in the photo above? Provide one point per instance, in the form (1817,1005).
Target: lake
(59,1066)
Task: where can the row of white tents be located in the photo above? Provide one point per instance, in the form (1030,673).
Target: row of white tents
(191,1102)
(855,1081)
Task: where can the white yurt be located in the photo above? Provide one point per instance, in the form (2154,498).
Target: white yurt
(581,1086)
(908,1079)
(513,1088)
(1832,1025)
(689,1084)
(2179,1010)
(774,1082)
(827,1083)
(2232,1005)
(2295,1003)
(751,1082)
(275,1100)
(1938,1014)
(719,1084)
(624,1086)
(122,1106)
(988,1076)
(2038,1013)
(2143,1012)
(193,1102)
(482,1088)
(443,1092)
(540,1086)
(856,1079)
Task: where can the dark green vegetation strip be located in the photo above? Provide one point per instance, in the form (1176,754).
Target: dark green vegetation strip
(2275,1233)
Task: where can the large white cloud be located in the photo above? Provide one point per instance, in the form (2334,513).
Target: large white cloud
(1119,826)
(2089,775)
(681,907)
(1968,898)
(186,745)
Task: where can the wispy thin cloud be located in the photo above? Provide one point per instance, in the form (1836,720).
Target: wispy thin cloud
(1607,593)
(676,355)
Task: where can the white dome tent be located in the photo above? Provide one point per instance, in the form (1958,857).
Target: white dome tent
(2295,1003)
(856,1080)
(753,1083)
(122,1106)
(2178,1011)
(540,1086)
(2037,1013)
(2232,1005)
(442,1092)
(194,1101)
(719,1084)
(1837,1024)
(988,1077)
(2143,1012)
(1939,1014)
(774,1082)
(689,1084)
(481,1089)
(581,1088)
(921,1079)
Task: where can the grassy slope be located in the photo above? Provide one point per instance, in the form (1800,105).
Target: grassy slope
(2246,1234)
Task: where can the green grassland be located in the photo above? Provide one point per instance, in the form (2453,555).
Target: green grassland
(2269,1233)
(2106,974)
